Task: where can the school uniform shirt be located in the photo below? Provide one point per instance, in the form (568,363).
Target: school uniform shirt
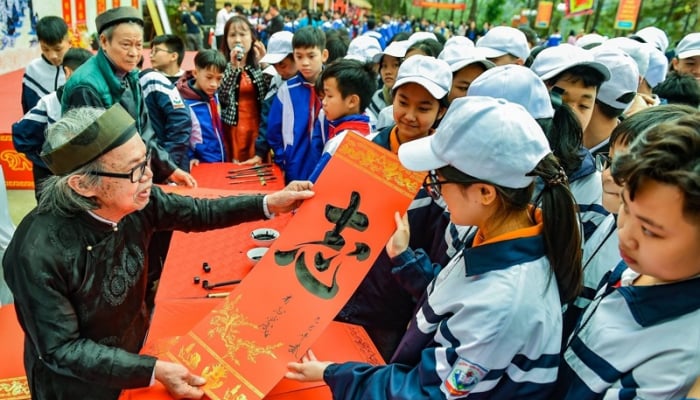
(40,78)
(634,342)
(290,124)
(168,114)
(29,133)
(206,141)
(489,326)
(600,255)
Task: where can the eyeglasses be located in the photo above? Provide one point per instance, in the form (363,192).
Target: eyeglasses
(135,175)
(602,161)
(156,50)
(433,185)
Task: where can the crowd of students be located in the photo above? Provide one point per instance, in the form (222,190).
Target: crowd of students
(552,250)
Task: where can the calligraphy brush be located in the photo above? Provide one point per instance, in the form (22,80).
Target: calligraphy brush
(252,174)
(253,168)
(261,180)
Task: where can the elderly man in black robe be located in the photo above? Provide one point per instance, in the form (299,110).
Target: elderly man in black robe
(77,264)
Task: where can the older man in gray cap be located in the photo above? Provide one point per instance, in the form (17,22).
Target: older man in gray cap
(77,264)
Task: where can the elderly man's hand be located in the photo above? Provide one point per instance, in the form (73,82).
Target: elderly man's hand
(182,178)
(181,384)
(290,197)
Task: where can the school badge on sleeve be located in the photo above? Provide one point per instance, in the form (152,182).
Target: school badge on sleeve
(465,375)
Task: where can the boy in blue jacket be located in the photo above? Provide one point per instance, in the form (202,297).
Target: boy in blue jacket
(198,89)
(295,108)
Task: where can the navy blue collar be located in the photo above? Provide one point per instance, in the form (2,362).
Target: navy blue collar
(501,255)
(652,305)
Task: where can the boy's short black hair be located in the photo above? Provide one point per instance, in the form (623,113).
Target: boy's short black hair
(352,77)
(583,73)
(309,37)
(608,111)
(173,43)
(51,30)
(337,45)
(210,58)
(636,124)
(679,89)
(666,153)
(75,57)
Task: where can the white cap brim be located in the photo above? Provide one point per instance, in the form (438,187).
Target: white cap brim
(270,58)
(689,53)
(461,64)
(435,90)
(418,155)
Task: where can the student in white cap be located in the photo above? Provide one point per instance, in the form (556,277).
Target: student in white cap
(389,61)
(575,75)
(561,127)
(281,66)
(364,48)
(505,45)
(489,324)
(380,304)
(590,40)
(420,100)
(687,59)
(613,97)
(466,63)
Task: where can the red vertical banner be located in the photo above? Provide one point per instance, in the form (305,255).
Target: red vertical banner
(80,16)
(101,6)
(135,4)
(116,3)
(544,14)
(627,13)
(67,12)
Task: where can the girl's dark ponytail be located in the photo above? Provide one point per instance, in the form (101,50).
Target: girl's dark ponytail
(562,233)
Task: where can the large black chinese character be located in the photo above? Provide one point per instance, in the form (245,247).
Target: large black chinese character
(343,218)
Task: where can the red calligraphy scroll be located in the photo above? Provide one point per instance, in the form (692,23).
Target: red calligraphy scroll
(309,273)
(101,6)
(116,3)
(80,17)
(67,12)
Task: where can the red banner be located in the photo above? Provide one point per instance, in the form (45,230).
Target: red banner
(279,310)
(544,14)
(101,6)
(80,17)
(579,7)
(15,166)
(442,6)
(67,12)
(135,4)
(627,13)
(116,3)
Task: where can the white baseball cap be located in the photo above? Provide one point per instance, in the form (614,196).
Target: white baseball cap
(459,41)
(517,84)
(433,74)
(640,52)
(654,36)
(364,48)
(278,47)
(624,77)
(590,40)
(689,46)
(459,56)
(396,49)
(552,61)
(503,40)
(489,139)
(658,68)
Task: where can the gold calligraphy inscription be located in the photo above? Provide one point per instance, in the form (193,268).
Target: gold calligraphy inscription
(14,388)
(379,163)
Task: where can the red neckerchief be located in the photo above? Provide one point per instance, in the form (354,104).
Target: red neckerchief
(314,106)
(361,127)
